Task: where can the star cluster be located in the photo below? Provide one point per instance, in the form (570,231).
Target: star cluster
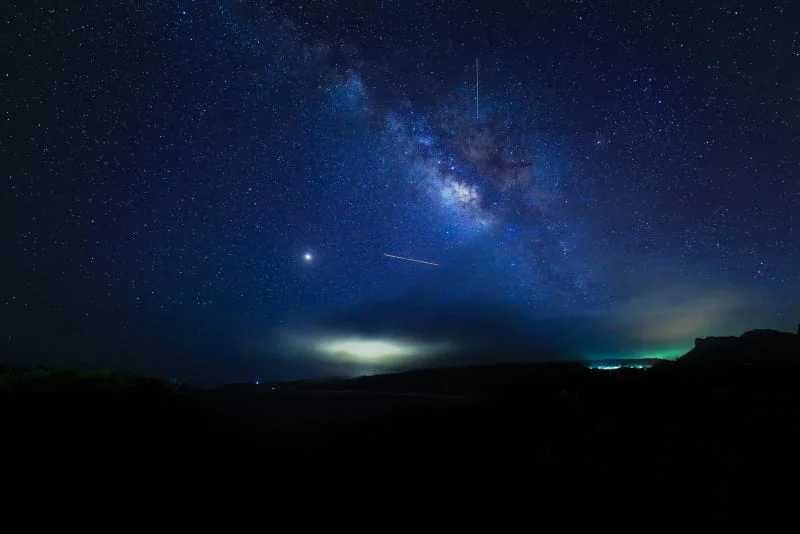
(187,181)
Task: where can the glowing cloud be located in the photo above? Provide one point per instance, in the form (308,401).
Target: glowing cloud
(366,353)
(367,349)
(678,314)
(375,351)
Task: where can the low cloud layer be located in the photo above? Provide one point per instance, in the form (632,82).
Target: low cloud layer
(650,322)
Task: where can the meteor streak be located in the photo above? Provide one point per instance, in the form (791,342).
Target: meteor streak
(410,259)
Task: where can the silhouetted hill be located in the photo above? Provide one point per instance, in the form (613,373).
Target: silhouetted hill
(752,347)
(68,380)
(677,441)
(470,380)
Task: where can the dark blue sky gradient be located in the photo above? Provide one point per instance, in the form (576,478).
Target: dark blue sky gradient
(631,180)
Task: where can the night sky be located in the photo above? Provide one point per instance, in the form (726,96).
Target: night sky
(207,190)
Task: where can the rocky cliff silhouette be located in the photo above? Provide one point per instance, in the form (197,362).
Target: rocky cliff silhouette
(760,346)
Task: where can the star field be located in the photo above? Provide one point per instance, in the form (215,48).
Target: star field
(188,185)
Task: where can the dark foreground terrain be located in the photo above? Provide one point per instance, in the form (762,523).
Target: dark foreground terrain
(698,439)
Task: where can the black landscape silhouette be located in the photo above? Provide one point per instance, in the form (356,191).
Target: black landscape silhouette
(709,433)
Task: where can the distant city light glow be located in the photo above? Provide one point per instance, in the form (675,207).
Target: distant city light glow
(611,367)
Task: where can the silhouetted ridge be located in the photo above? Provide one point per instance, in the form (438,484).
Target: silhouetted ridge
(754,346)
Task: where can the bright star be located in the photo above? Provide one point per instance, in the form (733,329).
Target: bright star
(307,256)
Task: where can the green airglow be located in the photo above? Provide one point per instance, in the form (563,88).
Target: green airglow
(662,354)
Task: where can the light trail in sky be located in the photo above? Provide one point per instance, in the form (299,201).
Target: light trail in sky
(410,259)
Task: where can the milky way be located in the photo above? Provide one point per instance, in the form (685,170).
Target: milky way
(490,176)
(628,182)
